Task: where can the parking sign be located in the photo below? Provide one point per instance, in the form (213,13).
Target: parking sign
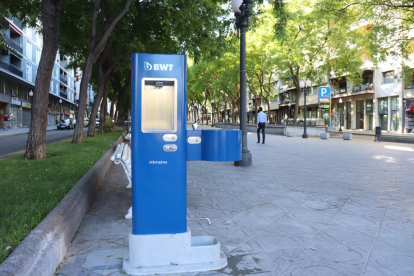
(324,94)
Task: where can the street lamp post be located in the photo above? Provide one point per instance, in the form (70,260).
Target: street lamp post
(305,86)
(60,102)
(31,103)
(31,96)
(242,12)
(289,104)
(340,116)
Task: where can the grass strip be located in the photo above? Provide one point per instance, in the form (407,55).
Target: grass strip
(30,189)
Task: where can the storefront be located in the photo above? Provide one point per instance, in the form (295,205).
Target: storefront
(369,109)
(3,111)
(51,117)
(26,113)
(409,116)
(355,112)
(395,110)
(383,113)
(15,119)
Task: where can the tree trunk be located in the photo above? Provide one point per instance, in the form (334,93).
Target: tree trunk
(51,11)
(96,102)
(121,105)
(225,112)
(268,111)
(295,76)
(104,106)
(95,50)
(233,116)
(206,112)
(113,104)
(87,73)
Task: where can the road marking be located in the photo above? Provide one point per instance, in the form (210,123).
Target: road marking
(9,145)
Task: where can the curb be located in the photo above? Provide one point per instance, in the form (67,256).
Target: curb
(45,247)
(22,133)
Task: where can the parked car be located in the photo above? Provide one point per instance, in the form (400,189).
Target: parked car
(65,124)
(86,122)
(97,122)
(73,122)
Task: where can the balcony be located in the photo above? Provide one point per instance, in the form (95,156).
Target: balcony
(363,88)
(409,86)
(409,90)
(63,63)
(11,68)
(63,79)
(339,91)
(286,102)
(13,44)
(15,21)
(63,94)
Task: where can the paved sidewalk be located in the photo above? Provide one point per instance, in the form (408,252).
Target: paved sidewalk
(306,207)
(19,131)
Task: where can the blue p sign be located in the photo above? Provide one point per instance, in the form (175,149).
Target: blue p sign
(324,94)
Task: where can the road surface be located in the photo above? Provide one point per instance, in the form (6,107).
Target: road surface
(18,143)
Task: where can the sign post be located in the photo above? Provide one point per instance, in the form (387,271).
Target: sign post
(324,96)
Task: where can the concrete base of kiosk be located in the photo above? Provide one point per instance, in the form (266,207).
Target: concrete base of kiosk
(173,253)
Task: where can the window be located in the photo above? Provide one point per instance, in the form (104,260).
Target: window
(3,86)
(29,72)
(383,106)
(388,77)
(29,33)
(367,80)
(38,56)
(28,49)
(51,86)
(369,107)
(57,72)
(394,104)
(395,116)
(38,39)
(57,89)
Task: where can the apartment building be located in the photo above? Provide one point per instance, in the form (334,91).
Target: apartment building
(18,69)
(384,99)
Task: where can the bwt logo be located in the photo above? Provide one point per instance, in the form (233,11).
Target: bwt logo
(158,67)
(158,162)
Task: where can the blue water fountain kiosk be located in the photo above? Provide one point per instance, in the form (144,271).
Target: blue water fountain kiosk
(160,241)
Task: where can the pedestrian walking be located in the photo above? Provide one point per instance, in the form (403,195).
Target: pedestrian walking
(6,122)
(261,124)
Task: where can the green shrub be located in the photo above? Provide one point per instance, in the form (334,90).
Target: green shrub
(109,125)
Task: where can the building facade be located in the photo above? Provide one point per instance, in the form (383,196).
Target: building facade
(19,61)
(383,99)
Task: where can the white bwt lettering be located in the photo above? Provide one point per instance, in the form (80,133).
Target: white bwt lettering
(158,67)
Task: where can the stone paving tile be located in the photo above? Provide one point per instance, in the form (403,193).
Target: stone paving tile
(305,207)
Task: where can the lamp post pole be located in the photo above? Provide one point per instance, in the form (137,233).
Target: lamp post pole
(305,135)
(31,103)
(242,13)
(60,102)
(305,85)
(340,116)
